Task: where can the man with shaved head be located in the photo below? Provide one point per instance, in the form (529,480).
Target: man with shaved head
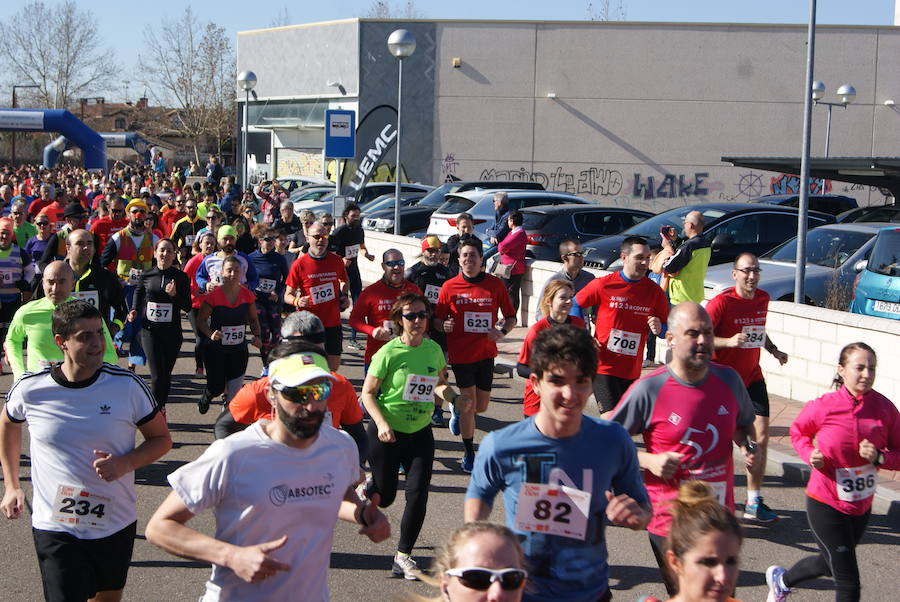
(689,411)
(32,323)
(687,265)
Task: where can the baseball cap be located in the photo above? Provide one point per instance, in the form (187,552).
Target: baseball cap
(136,204)
(73,209)
(298,369)
(226,231)
(431,242)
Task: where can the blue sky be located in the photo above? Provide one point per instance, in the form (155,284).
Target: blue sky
(121,27)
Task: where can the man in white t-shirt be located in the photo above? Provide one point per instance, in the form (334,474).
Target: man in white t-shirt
(82,418)
(276,489)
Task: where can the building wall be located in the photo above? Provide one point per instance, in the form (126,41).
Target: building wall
(643,112)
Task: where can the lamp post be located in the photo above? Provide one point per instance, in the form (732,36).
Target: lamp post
(846,92)
(12,137)
(247,81)
(402,44)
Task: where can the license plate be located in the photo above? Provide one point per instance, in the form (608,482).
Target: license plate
(888,307)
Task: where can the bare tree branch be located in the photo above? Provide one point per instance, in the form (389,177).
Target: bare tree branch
(384,9)
(281,18)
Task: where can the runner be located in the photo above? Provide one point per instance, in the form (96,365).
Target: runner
(467,311)
(209,274)
(277,490)
(16,273)
(553,456)
(689,412)
(348,240)
(103,228)
(31,322)
(317,281)
(272,269)
(555,307)
(82,417)
(206,245)
(846,437)
(185,231)
(738,317)
(222,318)
(398,393)
(372,310)
(163,292)
(627,303)
(430,275)
(465,230)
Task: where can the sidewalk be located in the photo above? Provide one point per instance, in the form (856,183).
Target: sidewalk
(782,458)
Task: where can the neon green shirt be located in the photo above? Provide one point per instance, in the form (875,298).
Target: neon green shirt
(408,378)
(32,322)
(24,233)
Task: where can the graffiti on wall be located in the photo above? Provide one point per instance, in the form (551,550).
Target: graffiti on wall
(298,162)
(790,184)
(448,167)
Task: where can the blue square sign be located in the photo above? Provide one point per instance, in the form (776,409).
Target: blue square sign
(340,134)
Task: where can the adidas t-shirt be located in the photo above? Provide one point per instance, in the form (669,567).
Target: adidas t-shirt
(67,421)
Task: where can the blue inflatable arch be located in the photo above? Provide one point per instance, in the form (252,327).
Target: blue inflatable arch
(131,140)
(58,120)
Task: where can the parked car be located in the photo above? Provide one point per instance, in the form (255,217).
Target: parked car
(292,183)
(413,215)
(832,253)
(731,228)
(878,213)
(370,191)
(826,203)
(438,196)
(877,288)
(480,204)
(548,225)
(310,193)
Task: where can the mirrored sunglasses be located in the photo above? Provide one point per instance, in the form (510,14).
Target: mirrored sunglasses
(307,393)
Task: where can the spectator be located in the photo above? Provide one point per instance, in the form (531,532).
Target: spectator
(512,253)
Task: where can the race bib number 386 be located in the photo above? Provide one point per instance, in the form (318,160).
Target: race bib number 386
(76,507)
(554,509)
(854,484)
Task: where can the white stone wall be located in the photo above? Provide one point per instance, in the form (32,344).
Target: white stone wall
(811,336)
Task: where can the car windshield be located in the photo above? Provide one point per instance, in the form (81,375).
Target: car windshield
(827,247)
(649,228)
(534,221)
(436,197)
(455,205)
(885,258)
(387,202)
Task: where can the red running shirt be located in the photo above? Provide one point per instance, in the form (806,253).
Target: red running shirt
(320,280)
(730,314)
(532,401)
(473,307)
(623,307)
(373,308)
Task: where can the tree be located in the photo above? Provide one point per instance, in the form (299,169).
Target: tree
(382,9)
(607,10)
(57,49)
(190,66)
(281,18)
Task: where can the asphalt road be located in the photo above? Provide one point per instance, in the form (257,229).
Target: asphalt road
(360,570)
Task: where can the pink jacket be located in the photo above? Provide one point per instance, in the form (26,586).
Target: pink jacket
(838,422)
(512,250)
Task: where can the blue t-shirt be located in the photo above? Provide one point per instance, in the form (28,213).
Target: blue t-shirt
(600,457)
(272,269)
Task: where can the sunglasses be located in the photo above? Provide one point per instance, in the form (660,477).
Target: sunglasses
(481,579)
(749,271)
(41,223)
(395,262)
(417,315)
(307,393)
(574,254)
(268,238)
(319,236)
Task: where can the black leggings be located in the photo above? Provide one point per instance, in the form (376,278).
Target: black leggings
(199,338)
(415,452)
(837,535)
(514,288)
(223,367)
(269,313)
(162,347)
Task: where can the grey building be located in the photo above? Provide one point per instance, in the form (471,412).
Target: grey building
(619,112)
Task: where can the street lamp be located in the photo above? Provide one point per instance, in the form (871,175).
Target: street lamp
(247,81)
(402,44)
(12,137)
(846,92)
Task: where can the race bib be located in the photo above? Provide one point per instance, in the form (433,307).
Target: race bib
(159,312)
(719,489)
(189,239)
(76,507)
(854,484)
(419,388)
(432,292)
(92,297)
(623,342)
(232,335)
(134,275)
(351,251)
(266,285)
(477,321)
(756,337)
(554,509)
(9,276)
(389,326)
(322,293)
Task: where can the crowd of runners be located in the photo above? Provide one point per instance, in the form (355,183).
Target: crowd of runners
(95,268)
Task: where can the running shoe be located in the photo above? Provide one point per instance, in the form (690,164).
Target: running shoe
(777,593)
(468,463)
(406,567)
(758,511)
(454,420)
(203,404)
(354,345)
(437,418)
(361,490)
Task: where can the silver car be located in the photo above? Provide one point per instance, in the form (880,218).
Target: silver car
(833,252)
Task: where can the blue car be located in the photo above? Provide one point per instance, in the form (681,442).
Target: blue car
(877,291)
